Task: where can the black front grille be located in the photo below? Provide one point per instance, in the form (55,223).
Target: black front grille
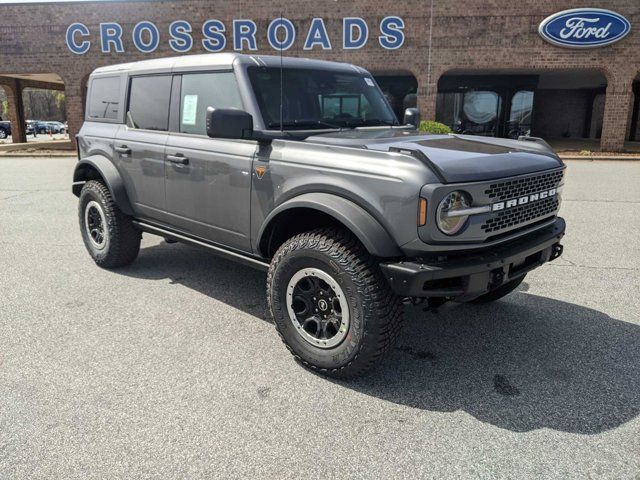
(524,186)
(522,213)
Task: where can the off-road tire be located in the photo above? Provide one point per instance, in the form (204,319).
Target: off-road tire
(123,238)
(499,292)
(375,311)
(3,134)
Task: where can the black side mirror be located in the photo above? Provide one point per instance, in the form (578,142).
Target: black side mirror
(229,123)
(412,117)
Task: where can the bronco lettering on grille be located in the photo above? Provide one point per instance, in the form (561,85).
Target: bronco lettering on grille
(514,202)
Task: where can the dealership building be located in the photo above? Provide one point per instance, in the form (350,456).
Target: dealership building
(555,69)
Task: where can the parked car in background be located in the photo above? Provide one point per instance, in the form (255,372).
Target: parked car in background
(56,127)
(30,127)
(34,127)
(40,126)
(5,129)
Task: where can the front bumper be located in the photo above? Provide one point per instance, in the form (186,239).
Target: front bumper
(467,276)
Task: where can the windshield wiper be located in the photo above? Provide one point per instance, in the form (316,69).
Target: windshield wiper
(304,123)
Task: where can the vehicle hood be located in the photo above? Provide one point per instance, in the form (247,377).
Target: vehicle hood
(454,158)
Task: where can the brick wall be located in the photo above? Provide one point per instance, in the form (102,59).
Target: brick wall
(467,34)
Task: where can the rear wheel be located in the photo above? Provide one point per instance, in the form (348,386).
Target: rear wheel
(499,292)
(109,235)
(3,134)
(330,303)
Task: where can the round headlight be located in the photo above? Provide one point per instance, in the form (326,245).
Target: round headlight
(448,218)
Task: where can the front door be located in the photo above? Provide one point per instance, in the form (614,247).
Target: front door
(208,181)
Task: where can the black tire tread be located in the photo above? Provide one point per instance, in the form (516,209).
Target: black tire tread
(124,237)
(384,308)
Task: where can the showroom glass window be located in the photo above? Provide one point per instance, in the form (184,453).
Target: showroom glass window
(520,115)
(104,102)
(149,102)
(480,112)
(473,112)
(202,90)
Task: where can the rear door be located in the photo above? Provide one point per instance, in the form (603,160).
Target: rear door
(140,144)
(208,181)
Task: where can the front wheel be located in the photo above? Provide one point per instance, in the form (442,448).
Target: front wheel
(109,235)
(3,134)
(330,303)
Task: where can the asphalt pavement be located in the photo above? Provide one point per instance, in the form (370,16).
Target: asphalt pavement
(170,368)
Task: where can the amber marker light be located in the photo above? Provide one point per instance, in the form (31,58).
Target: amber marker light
(422,212)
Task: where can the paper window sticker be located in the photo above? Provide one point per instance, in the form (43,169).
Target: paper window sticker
(368,81)
(189,109)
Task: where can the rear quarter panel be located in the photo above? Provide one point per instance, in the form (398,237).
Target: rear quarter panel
(97,138)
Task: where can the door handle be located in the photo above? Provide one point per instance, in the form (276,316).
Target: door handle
(123,149)
(178,158)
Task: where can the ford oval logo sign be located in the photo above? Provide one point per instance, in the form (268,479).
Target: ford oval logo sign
(584,28)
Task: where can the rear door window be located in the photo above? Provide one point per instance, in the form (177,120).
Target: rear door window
(149,102)
(104,101)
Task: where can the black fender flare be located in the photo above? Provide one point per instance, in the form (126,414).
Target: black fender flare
(109,173)
(361,223)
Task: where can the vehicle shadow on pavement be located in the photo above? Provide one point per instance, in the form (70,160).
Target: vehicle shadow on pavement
(522,363)
(197,268)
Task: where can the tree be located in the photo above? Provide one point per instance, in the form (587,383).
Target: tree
(41,104)
(4,104)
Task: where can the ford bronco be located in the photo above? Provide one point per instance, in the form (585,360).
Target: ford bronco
(300,168)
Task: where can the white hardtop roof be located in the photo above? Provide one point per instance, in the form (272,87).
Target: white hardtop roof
(221,61)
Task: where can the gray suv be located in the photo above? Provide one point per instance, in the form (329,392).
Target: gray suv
(299,167)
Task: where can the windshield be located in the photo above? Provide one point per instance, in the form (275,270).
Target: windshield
(319,99)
